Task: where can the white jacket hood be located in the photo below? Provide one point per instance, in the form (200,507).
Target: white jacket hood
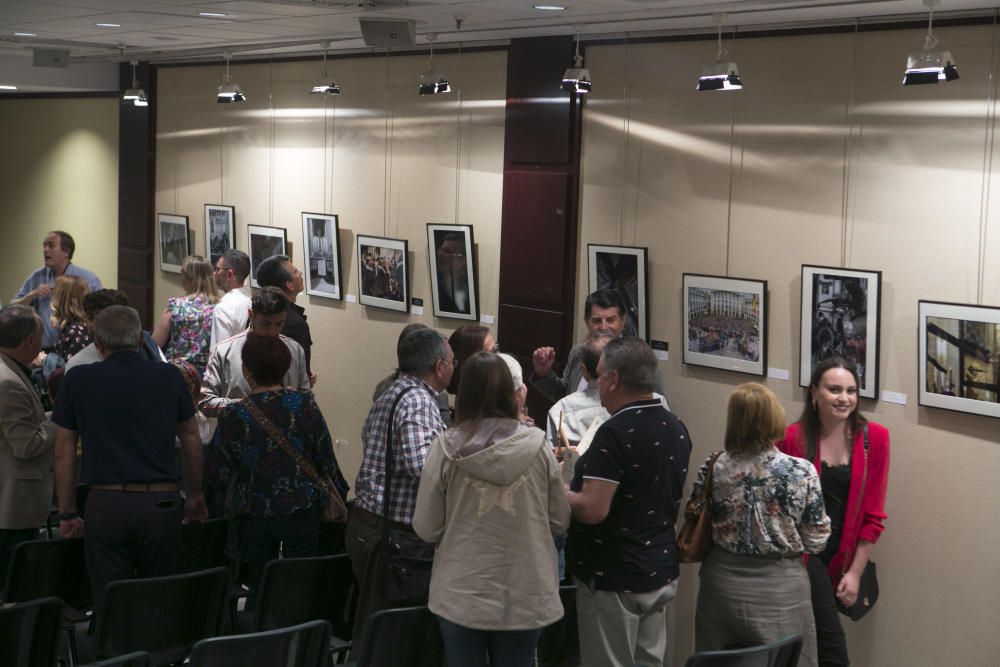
(496,450)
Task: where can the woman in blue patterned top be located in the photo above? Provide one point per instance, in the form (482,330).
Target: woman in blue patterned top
(766,509)
(271,501)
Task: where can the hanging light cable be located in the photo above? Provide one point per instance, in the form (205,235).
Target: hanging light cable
(135,94)
(722,74)
(930,65)
(324,85)
(431,81)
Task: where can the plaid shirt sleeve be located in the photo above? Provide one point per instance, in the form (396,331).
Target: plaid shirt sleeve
(417,423)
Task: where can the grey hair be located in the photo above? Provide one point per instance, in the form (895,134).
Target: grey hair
(17,323)
(634,362)
(118,328)
(420,350)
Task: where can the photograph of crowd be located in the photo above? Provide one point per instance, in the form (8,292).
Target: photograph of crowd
(840,315)
(382,272)
(220,230)
(960,353)
(725,321)
(264,242)
(321,234)
(173,241)
(453,276)
(623,269)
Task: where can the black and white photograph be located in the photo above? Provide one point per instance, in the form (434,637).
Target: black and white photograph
(453,271)
(321,234)
(264,242)
(625,270)
(725,323)
(959,357)
(382,273)
(220,230)
(173,241)
(840,318)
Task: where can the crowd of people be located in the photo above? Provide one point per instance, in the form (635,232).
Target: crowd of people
(716,333)
(382,275)
(501,511)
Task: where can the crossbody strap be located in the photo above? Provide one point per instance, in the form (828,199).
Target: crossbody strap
(389,460)
(861,497)
(706,489)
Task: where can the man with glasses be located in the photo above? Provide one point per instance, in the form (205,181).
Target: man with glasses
(232,311)
(278,271)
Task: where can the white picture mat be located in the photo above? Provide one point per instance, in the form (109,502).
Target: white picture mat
(466,231)
(173,223)
(738,285)
(388,244)
(928,309)
(331,227)
(255,234)
(642,280)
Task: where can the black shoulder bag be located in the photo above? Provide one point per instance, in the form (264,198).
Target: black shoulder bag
(868,584)
(403,564)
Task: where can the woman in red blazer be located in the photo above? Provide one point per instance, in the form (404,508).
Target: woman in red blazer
(831,434)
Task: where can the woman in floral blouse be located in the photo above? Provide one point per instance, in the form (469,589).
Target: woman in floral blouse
(766,509)
(184,331)
(68,316)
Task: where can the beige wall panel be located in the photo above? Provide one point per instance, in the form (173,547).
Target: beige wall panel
(59,171)
(334,155)
(832,161)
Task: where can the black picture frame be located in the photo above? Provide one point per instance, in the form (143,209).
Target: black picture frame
(454,284)
(725,323)
(321,251)
(264,242)
(172,235)
(383,272)
(220,230)
(624,269)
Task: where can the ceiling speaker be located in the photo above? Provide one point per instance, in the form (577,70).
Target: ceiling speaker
(389,33)
(49,58)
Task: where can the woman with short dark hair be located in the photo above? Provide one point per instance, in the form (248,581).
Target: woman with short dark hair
(766,510)
(272,501)
(491,497)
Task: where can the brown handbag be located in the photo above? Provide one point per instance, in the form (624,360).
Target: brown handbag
(695,539)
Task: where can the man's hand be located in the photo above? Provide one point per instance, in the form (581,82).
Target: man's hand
(195,509)
(71,528)
(542,359)
(312,379)
(43,291)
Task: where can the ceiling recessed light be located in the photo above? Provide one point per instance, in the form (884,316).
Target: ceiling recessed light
(25,34)
(214,15)
(550,8)
(108,25)
(6,87)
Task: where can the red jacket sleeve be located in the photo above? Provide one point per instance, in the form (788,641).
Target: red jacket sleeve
(873,507)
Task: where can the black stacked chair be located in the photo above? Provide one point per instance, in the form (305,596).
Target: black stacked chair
(134,659)
(303,645)
(779,653)
(29,633)
(165,616)
(559,645)
(203,545)
(409,636)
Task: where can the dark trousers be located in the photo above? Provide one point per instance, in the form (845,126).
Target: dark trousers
(831,643)
(129,535)
(467,647)
(10,538)
(295,534)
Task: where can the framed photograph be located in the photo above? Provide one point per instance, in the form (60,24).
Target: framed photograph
(623,269)
(220,230)
(453,272)
(840,318)
(382,273)
(264,242)
(725,323)
(321,235)
(959,353)
(173,241)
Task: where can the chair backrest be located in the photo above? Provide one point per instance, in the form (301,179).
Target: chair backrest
(29,633)
(779,653)
(134,659)
(559,645)
(43,568)
(409,636)
(203,544)
(296,590)
(303,645)
(162,615)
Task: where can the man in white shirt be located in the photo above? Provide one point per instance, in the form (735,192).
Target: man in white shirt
(231,312)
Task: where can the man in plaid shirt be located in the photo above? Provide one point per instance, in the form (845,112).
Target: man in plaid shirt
(426,363)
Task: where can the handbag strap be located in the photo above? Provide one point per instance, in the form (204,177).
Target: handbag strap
(706,489)
(389,463)
(861,496)
(279,439)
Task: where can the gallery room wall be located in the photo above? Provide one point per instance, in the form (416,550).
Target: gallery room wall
(824,158)
(385,160)
(59,171)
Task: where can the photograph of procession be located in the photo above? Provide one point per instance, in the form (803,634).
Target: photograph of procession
(321,235)
(382,272)
(220,230)
(624,270)
(960,357)
(840,318)
(725,323)
(173,241)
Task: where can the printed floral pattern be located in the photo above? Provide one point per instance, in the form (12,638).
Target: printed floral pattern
(72,338)
(190,330)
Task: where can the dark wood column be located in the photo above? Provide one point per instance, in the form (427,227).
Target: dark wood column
(538,236)
(137,193)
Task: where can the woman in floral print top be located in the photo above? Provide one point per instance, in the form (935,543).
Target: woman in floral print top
(69,317)
(184,330)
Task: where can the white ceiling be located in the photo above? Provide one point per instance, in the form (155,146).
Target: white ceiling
(170,30)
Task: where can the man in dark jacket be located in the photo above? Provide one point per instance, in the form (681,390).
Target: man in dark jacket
(278,271)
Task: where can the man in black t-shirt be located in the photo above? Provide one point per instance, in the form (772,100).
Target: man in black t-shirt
(625,497)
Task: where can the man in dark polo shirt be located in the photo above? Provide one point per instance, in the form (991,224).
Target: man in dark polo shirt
(278,271)
(128,411)
(625,496)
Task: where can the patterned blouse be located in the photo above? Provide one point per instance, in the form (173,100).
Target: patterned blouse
(265,480)
(72,338)
(765,504)
(190,330)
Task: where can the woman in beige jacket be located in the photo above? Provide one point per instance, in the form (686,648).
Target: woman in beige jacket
(491,497)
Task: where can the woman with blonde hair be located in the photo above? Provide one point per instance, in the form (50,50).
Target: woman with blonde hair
(766,510)
(68,316)
(184,330)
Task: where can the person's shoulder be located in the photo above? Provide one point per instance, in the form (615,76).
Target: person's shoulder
(293,345)
(876,430)
(38,273)
(77,270)
(237,339)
